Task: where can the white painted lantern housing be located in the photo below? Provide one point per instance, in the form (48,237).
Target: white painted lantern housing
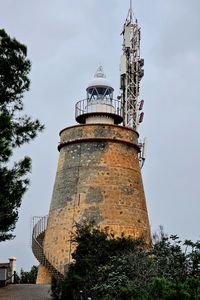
(99,107)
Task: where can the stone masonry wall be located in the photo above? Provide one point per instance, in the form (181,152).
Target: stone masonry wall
(98,177)
(43,276)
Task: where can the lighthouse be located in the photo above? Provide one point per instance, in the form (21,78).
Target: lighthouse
(98,175)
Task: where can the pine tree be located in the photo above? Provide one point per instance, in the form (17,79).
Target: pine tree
(16,129)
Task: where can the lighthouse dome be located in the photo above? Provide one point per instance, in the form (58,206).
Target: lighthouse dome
(100,80)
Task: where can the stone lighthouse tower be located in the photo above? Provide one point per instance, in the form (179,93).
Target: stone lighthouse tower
(99,168)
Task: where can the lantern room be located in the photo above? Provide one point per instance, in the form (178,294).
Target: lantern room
(99,89)
(99,106)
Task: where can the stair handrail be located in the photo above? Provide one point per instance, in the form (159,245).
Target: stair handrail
(39,228)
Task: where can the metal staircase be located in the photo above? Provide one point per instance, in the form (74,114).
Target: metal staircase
(37,247)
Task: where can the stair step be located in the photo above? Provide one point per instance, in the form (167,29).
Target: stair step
(38,251)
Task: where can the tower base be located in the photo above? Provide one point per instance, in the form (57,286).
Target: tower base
(43,276)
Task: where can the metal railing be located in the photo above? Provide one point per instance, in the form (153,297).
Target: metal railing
(85,107)
(37,247)
(12,279)
(39,225)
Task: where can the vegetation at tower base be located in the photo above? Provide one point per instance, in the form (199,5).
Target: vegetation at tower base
(15,130)
(118,268)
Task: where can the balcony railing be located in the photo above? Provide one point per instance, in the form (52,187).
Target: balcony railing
(86,107)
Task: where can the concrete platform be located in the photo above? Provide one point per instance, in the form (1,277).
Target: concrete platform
(25,292)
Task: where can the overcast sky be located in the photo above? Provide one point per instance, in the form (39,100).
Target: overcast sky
(66,41)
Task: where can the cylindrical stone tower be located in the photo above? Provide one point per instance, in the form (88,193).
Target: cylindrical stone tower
(98,175)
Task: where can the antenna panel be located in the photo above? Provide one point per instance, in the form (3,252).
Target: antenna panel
(144,148)
(127,36)
(141,117)
(123,65)
(141,105)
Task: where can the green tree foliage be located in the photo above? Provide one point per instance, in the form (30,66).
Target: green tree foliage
(95,252)
(28,277)
(109,268)
(15,130)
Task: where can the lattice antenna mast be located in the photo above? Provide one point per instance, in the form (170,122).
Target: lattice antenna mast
(131,72)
